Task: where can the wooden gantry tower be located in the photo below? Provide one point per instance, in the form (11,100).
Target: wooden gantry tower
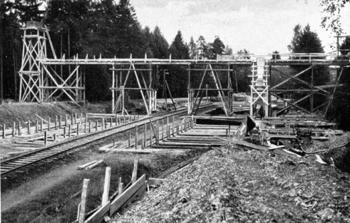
(259,89)
(35,38)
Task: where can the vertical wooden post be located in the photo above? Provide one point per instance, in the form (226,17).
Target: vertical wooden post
(136,136)
(69,131)
(85,126)
(173,124)
(106,123)
(45,138)
(124,120)
(75,118)
(42,125)
(83,201)
(162,129)
(89,126)
(3,130)
(177,130)
(143,144)
(167,127)
(54,137)
(150,135)
(134,172)
(103,122)
(111,121)
(66,121)
(28,127)
(106,187)
(48,124)
(96,126)
(144,135)
(129,139)
(19,128)
(120,186)
(37,126)
(78,128)
(157,132)
(14,129)
(60,121)
(56,125)
(64,132)
(72,119)
(86,117)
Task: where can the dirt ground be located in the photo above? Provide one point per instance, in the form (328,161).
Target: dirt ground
(44,192)
(234,185)
(47,197)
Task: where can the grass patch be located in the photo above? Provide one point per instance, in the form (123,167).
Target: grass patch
(58,205)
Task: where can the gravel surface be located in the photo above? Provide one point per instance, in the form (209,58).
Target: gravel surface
(232,185)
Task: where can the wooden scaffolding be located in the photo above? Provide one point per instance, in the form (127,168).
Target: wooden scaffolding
(259,96)
(211,76)
(303,97)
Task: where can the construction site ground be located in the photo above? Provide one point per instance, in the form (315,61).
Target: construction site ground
(227,184)
(230,184)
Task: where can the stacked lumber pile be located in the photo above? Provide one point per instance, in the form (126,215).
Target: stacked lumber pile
(232,185)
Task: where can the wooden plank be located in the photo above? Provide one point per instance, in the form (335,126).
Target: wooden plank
(155,181)
(136,196)
(126,195)
(99,214)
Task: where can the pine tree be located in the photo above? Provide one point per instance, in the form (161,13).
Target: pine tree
(218,48)
(178,48)
(345,46)
(160,45)
(192,49)
(305,41)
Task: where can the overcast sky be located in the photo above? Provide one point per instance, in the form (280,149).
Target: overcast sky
(260,26)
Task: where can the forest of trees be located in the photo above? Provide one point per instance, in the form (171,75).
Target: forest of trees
(111,28)
(83,27)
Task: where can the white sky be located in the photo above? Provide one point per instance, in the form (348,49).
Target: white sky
(260,26)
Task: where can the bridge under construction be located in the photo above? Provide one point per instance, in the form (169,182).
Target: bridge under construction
(44,79)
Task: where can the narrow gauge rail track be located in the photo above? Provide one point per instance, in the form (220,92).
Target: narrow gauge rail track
(13,164)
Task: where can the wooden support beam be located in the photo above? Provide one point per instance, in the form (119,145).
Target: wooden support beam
(136,136)
(105,195)
(83,201)
(127,194)
(134,171)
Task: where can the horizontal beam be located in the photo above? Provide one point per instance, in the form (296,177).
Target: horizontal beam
(131,88)
(294,90)
(123,61)
(210,89)
(209,69)
(62,87)
(137,69)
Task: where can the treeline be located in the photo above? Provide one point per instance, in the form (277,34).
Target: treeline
(86,27)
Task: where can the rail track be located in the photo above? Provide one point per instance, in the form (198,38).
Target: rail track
(18,163)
